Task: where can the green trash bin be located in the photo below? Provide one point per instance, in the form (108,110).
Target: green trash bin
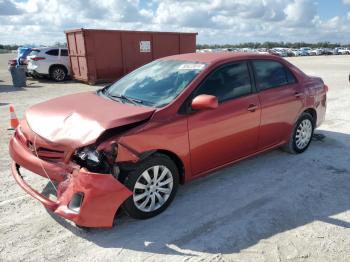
(18,74)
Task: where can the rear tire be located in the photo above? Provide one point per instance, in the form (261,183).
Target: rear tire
(301,136)
(58,73)
(154,183)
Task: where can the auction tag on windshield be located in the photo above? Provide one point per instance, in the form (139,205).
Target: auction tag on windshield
(191,67)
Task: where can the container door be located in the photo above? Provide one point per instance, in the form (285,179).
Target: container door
(187,43)
(71,44)
(137,49)
(80,43)
(77,53)
(83,67)
(75,66)
(165,45)
(107,53)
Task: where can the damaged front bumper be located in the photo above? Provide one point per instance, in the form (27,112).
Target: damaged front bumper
(86,198)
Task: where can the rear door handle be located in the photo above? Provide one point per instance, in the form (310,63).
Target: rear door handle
(252,107)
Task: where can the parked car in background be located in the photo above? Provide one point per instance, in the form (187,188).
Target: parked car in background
(279,51)
(344,51)
(304,51)
(178,118)
(263,52)
(330,51)
(293,52)
(318,51)
(49,61)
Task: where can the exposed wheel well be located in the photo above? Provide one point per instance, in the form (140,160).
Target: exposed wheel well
(58,65)
(177,162)
(313,113)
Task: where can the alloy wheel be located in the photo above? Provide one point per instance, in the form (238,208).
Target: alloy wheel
(153,188)
(303,134)
(59,74)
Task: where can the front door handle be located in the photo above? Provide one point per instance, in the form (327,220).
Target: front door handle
(252,107)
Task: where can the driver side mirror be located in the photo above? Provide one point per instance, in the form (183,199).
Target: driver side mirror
(203,102)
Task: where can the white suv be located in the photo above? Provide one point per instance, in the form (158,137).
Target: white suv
(49,61)
(344,51)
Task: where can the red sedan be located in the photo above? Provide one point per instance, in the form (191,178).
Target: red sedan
(178,118)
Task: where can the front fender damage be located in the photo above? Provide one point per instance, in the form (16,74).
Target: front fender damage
(100,197)
(100,194)
(126,154)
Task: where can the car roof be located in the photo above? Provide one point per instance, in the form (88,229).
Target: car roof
(217,57)
(47,48)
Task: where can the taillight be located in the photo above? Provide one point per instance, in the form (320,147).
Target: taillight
(12,62)
(326,88)
(37,58)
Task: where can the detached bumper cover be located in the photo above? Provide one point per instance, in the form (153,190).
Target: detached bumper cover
(102,193)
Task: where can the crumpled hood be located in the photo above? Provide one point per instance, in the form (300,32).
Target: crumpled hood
(79,119)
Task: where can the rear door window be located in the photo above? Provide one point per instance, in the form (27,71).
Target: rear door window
(270,74)
(53,52)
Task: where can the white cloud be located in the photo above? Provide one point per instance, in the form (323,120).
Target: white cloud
(300,12)
(216,21)
(346,1)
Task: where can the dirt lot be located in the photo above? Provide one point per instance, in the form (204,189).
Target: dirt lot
(274,207)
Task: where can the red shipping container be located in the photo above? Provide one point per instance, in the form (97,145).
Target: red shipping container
(107,55)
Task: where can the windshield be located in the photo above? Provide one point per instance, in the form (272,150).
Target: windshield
(155,84)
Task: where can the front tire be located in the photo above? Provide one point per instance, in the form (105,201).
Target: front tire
(154,183)
(302,135)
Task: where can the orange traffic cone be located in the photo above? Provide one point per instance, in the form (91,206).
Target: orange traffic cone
(13,118)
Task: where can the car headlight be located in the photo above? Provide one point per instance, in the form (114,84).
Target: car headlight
(93,160)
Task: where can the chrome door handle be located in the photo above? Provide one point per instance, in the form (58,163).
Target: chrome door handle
(252,107)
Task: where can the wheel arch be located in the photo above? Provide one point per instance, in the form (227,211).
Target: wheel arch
(174,157)
(58,65)
(313,113)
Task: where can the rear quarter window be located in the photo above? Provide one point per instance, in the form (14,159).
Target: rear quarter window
(64,52)
(270,74)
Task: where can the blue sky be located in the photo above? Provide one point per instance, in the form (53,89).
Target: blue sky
(216,21)
(330,8)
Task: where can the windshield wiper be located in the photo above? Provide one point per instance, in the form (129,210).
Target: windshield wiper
(103,89)
(120,97)
(129,99)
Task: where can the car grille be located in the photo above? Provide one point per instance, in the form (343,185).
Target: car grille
(46,153)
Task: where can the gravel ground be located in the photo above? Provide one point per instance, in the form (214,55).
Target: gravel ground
(274,207)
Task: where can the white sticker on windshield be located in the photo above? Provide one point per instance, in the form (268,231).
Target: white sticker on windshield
(191,67)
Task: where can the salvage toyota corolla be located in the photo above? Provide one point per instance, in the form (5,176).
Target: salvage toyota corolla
(130,144)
